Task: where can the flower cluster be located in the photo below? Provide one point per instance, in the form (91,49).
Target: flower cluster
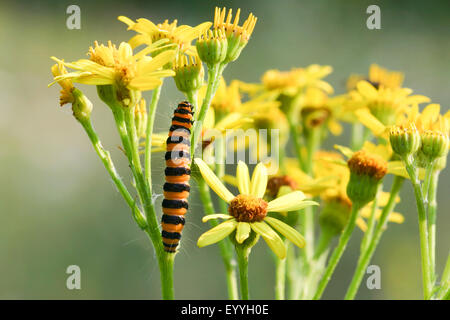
(299,192)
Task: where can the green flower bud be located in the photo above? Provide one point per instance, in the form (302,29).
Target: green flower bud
(434,144)
(335,214)
(212,47)
(81,106)
(237,36)
(404,140)
(366,172)
(189,75)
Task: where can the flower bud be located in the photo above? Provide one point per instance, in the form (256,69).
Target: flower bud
(140,118)
(237,36)
(434,144)
(404,140)
(212,47)
(81,106)
(189,74)
(335,214)
(366,172)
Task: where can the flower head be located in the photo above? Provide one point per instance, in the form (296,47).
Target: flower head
(58,70)
(378,77)
(149,32)
(248,210)
(109,65)
(386,105)
(81,106)
(237,36)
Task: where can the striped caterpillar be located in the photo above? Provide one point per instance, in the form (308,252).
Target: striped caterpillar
(176,188)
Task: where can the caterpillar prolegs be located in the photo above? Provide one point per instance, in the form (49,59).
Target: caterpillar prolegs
(178,173)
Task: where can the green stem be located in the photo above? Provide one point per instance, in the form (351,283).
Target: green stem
(367,253)
(423,227)
(192,97)
(225,246)
(325,239)
(368,235)
(148,135)
(165,260)
(445,281)
(214,74)
(432,210)
(242,257)
(280,279)
(338,251)
(166,269)
(105,157)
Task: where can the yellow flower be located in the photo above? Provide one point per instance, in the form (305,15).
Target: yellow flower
(109,65)
(291,82)
(237,36)
(332,166)
(378,77)
(386,105)
(58,70)
(148,33)
(228,98)
(248,211)
(317,108)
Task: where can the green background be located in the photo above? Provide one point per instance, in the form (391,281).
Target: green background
(58,206)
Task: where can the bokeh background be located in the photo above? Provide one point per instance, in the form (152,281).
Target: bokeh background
(58,206)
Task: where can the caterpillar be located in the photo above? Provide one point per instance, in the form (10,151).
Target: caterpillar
(176,188)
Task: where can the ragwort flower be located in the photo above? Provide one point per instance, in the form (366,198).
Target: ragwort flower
(248,210)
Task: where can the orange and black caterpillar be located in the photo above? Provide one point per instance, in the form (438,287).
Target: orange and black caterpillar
(178,173)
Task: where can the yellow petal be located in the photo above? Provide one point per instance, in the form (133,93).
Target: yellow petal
(367,90)
(272,239)
(290,202)
(217,233)
(259,181)
(243,178)
(216,216)
(242,231)
(290,233)
(213,181)
(370,121)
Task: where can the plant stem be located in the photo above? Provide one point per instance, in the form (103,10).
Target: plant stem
(357,136)
(445,281)
(226,247)
(280,278)
(214,74)
(105,157)
(432,210)
(242,257)
(338,251)
(368,235)
(367,253)
(423,227)
(148,135)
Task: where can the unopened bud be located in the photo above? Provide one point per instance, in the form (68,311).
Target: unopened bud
(405,140)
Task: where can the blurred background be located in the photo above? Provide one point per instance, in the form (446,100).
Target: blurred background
(58,206)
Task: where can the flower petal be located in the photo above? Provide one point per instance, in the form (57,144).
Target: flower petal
(259,181)
(290,202)
(243,178)
(272,239)
(214,182)
(217,233)
(216,216)
(290,233)
(242,231)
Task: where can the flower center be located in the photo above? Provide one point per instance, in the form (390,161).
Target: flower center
(275,183)
(245,208)
(362,163)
